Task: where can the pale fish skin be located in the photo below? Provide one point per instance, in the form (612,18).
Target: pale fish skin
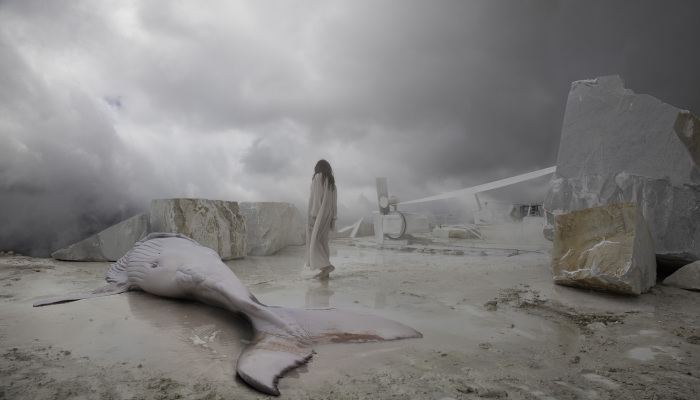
(173,265)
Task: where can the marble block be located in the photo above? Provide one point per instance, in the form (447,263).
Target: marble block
(687,277)
(108,245)
(617,146)
(216,224)
(271,226)
(451,232)
(605,248)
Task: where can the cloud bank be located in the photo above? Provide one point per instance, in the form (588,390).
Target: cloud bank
(107,105)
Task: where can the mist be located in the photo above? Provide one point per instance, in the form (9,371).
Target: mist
(105,106)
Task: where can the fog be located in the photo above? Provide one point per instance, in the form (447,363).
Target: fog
(107,105)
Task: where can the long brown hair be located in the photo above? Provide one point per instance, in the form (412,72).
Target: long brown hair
(324,168)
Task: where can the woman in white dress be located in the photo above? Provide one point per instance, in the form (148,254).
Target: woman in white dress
(323,211)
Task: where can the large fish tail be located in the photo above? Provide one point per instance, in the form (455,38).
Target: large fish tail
(272,353)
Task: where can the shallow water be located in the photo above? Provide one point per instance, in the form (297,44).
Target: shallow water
(531,344)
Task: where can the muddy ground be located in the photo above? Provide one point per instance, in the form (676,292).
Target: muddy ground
(494,326)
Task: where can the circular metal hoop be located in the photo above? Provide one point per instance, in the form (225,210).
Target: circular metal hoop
(403,226)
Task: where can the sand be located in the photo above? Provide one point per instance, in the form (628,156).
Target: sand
(494,326)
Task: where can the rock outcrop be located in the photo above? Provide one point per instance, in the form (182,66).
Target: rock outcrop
(687,277)
(216,224)
(605,248)
(451,232)
(108,245)
(617,146)
(271,227)
(360,228)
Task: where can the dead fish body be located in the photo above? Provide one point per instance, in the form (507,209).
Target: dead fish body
(173,265)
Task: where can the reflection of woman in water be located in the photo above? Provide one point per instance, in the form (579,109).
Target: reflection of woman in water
(323,211)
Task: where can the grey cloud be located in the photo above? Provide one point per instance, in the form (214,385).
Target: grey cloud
(100,115)
(268,158)
(58,175)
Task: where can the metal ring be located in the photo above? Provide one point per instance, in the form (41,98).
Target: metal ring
(403,225)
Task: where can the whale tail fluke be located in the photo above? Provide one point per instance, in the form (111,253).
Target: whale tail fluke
(271,354)
(268,357)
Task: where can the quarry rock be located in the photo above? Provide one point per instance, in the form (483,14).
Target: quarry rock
(617,146)
(687,277)
(456,233)
(108,245)
(607,248)
(271,227)
(344,232)
(216,224)
(361,228)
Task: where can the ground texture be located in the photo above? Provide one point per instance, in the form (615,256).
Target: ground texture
(494,325)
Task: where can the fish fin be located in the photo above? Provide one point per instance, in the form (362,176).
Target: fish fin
(97,293)
(143,252)
(330,325)
(269,356)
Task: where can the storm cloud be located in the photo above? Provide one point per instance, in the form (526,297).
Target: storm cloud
(107,105)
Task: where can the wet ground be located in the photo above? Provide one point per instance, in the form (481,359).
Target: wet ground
(494,325)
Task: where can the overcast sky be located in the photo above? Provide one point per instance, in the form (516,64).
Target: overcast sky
(105,105)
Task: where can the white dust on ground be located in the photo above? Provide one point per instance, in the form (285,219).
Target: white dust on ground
(494,325)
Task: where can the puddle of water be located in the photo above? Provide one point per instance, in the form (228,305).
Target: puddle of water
(187,339)
(582,393)
(650,353)
(459,324)
(642,332)
(641,354)
(603,381)
(182,339)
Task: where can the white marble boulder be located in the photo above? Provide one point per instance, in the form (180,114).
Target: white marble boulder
(360,228)
(606,248)
(687,277)
(108,245)
(617,146)
(448,232)
(216,224)
(271,226)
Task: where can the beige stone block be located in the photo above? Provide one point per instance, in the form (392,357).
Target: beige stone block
(605,248)
(457,234)
(216,224)
(619,146)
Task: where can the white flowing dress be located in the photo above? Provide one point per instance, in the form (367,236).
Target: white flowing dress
(323,211)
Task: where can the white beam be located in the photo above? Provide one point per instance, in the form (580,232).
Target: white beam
(486,186)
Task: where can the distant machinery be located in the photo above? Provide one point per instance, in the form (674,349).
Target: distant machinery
(393,225)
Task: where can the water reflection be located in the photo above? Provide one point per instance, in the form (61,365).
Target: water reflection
(367,256)
(380,299)
(319,296)
(185,338)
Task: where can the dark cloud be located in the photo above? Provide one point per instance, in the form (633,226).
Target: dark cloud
(268,158)
(104,107)
(62,167)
